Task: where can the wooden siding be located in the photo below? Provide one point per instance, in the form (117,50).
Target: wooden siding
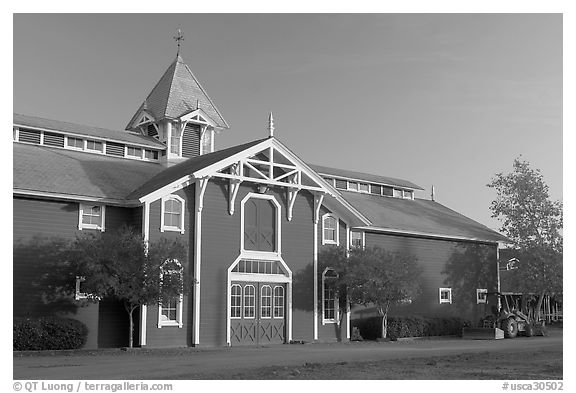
(221,233)
(462,266)
(170,336)
(191,141)
(35,221)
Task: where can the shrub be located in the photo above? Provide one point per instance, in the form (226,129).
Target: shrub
(414,326)
(48,333)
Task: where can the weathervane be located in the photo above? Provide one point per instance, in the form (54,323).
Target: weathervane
(178,37)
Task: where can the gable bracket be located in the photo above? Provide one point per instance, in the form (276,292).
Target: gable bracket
(202,183)
(318,199)
(233,187)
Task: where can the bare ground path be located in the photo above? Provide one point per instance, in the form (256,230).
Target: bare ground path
(310,361)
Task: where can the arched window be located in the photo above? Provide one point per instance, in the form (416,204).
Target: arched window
(170,309)
(236,301)
(278,301)
(329,299)
(330,229)
(249,301)
(266,302)
(172,215)
(260,225)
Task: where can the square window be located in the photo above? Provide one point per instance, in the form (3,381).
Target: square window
(91,217)
(408,194)
(397,193)
(445,295)
(151,154)
(94,146)
(376,189)
(356,239)
(481,296)
(341,184)
(75,143)
(353,186)
(133,151)
(363,187)
(388,191)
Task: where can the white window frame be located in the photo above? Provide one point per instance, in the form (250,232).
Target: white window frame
(447,290)
(85,206)
(271,304)
(101,151)
(168,228)
(275,306)
(241,305)
(350,188)
(255,254)
(367,191)
(336,308)
(336,235)
(483,299)
(362,238)
(245,306)
(179,321)
(66,145)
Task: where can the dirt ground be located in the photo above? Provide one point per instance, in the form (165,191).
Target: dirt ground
(451,358)
(536,365)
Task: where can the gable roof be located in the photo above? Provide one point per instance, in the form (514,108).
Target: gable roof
(177,93)
(419,216)
(26,121)
(185,168)
(391,181)
(67,173)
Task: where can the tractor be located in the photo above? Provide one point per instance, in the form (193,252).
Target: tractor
(511,313)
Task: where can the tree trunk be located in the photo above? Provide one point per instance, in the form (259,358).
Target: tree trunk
(539,305)
(384,320)
(130,309)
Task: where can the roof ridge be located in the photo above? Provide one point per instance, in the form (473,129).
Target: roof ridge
(206,94)
(76,124)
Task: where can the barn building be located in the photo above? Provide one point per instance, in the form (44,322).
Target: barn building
(254,216)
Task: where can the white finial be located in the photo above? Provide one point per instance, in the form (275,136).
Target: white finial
(271,125)
(433,194)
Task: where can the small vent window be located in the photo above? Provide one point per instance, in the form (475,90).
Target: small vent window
(29,136)
(388,191)
(51,139)
(341,184)
(115,149)
(151,154)
(133,151)
(376,189)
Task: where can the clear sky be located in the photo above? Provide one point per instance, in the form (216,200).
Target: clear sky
(438,99)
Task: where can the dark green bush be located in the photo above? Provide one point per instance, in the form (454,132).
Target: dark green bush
(48,333)
(415,326)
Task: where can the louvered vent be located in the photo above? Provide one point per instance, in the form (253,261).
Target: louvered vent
(115,149)
(29,136)
(191,141)
(53,139)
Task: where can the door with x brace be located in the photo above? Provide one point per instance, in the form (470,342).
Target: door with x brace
(257,313)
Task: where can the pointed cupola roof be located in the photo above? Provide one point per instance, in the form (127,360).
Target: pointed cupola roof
(178,93)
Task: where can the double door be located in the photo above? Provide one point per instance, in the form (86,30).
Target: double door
(257,313)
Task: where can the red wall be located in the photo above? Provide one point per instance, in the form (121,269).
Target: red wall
(35,220)
(221,234)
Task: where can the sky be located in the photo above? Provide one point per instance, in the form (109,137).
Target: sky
(437,99)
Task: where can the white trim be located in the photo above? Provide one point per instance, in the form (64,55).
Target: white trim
(347,312)
(178,322)
(203,118)
(258,277)
(168,228)
(337,230)
(15,133)
(449,291)
(358,180)
(362,238)
(277,232)
(75,198)
(271,301)
(199,191)
(143,317)
(84,136)
(82,226)
(241,301)
(425,234)
(478,299)
(326,321)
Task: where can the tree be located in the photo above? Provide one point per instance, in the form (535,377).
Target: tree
(375,277)
(533,223)
(119,264)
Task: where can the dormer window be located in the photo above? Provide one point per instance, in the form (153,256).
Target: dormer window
(75,143)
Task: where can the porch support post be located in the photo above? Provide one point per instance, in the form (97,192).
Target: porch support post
(318,199)
(146,236)
(199,201)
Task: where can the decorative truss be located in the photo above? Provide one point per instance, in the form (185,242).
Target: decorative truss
(271,168)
